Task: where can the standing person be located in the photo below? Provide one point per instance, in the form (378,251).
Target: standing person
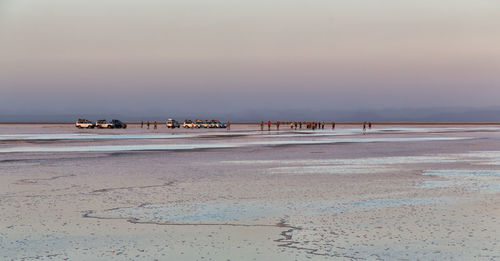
(156,125)
(147,124)
(291,125)
(268,125)
(323,125)
(261,125)
(364,127)
(278,125)
(142,124)
(228,125)
(370,125)
(295,123)
(333,125)
(300,124)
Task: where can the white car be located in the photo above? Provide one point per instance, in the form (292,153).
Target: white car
(103,124)
(206,124)
(188,124)
(172,124)
(84,123)
(198,124)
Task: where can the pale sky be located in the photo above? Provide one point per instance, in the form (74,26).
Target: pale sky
(84,56)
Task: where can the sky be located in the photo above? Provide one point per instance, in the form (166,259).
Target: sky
(190,57)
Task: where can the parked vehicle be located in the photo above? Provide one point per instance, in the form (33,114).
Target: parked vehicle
(171,123)
(198,124)
(221,125)
(103,124)
(84,123)
(207,124)
(188,124)
(117,124)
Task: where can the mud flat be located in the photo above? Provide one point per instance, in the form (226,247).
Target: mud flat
(396,193)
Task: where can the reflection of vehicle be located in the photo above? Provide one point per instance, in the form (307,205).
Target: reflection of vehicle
(84,123)
(101,124)
(118,124)
(173,124)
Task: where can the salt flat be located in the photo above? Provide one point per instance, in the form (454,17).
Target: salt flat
(396,193)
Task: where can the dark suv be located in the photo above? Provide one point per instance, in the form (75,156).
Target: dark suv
(117,124)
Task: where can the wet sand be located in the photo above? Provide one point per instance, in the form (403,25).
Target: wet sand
(396,193)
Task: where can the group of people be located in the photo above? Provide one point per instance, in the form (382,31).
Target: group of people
(293,125)
(155,124)
(296,125)
(308,125)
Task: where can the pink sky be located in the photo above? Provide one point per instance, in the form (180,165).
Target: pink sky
(60,56)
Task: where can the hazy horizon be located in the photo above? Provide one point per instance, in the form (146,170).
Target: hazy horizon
(457,114)
(227,58)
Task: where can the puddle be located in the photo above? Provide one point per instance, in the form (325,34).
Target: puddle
(244,211)
(217,145)
(336,169)
(465,173)
(476,180)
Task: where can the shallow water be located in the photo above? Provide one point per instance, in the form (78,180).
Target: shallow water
(428,193)
(244,211)
(218,145)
